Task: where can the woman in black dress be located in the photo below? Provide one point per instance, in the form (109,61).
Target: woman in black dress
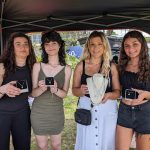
(15,85)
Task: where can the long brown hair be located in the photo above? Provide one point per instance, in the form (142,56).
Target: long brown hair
(144,61)
(8,56)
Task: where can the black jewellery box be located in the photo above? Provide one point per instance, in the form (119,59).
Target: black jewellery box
(49,81)
(23,85)
(131,94)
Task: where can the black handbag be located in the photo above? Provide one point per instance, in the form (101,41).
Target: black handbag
(83,116)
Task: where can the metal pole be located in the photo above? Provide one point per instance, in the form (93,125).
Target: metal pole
(1,32)
(1,39)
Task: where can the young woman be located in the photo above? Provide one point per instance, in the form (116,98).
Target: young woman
(134,111)
(15,68)
(47,114)
(100,135)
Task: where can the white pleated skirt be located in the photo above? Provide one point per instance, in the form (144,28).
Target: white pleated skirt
(100,135)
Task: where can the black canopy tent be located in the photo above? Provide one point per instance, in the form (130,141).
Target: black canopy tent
(64,15)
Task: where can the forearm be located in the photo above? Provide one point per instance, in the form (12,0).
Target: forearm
(1,95)
(1,92)
(114,94)
(147,95)
(77,92)
(61,93)
(37,92)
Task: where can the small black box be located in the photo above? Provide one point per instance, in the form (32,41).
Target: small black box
(131,94)
(23,85)
(49,81)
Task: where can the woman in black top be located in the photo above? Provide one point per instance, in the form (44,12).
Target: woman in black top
(100,134)
(134,111)
(15,80)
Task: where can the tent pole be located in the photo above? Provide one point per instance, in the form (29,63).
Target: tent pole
(1,37)
(1,32)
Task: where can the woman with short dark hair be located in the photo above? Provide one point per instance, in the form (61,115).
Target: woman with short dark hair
(51,80)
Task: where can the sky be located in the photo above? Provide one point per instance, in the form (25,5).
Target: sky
(123,32)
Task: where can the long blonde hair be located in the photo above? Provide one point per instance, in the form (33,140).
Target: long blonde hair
(106,57)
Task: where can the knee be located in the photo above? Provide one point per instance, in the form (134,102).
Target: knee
(56,145)
(42,146)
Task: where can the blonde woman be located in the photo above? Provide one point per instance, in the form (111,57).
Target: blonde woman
(100,135)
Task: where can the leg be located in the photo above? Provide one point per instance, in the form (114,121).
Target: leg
(42,142)
(123,138)
(143,141)
(21,130)
(56,142)
(5,124)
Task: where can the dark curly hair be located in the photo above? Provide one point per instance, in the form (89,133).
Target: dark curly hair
(53,36)
(8,56)
(144,61)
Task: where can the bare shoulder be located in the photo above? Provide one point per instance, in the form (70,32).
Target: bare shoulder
(114,67)
(36,67)
(68,68)
(2,69)
(79,66)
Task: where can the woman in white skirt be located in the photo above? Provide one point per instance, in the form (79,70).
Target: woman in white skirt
(100,134)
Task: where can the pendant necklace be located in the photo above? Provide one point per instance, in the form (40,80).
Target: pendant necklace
(54,65)
(21,85)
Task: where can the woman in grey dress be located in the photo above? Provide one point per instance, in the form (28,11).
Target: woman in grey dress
(47,115)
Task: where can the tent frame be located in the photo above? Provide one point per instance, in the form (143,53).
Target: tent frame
(109,17)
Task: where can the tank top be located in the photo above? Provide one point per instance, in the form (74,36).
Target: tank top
(129,80)
(12,104)
(85,76)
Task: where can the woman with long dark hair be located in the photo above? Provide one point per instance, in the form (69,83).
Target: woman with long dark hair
(134,110)
(15,85)
(51,80)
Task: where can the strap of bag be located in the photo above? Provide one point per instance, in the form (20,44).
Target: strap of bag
(84,73)
(78,103)
(100,67)
(83,66)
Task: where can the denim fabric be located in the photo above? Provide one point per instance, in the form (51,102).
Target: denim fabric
(135,117)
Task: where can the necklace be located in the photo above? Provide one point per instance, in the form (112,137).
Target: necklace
(133,65)
(19,67)
(21,84)
(54,65)
(95,63)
